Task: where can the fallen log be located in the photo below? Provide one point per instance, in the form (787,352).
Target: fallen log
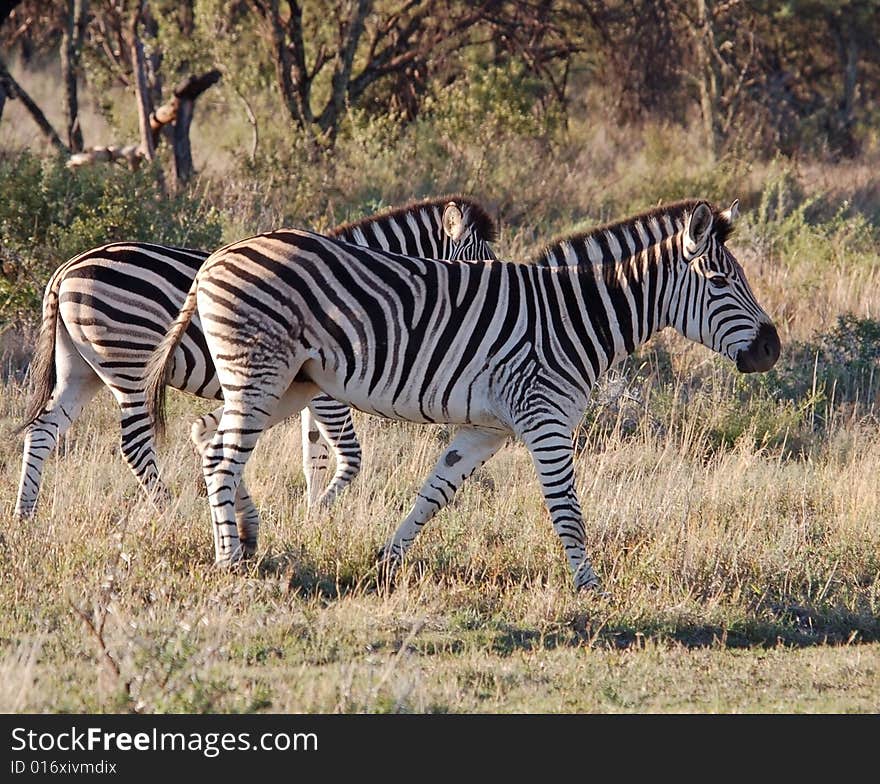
(132,154)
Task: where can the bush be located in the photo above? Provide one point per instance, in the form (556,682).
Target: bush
(794,227)
(50,213)
(837,367)
(711,406)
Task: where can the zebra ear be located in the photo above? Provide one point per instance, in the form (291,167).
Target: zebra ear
(732,212)
(453,221)
(698,227)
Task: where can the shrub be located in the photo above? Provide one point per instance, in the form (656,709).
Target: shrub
(839,366)
(50,213)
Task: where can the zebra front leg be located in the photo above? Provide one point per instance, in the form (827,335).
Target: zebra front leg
(470,449)
(315,455)
(551,450)
(247,518)
(336,428)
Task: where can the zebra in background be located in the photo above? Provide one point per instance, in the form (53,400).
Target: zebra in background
(496,347)
(106,310)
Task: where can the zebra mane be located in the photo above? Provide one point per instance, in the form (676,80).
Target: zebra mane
(722,228)
(478,216)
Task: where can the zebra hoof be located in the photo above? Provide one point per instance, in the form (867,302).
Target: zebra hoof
(387,566)
(24,511)
(234,562)
(322,503)
(593,588)
(586,579)
(161,500)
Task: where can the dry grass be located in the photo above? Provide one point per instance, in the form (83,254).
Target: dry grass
(739,581)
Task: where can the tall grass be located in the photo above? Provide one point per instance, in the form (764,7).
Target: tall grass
(704,548)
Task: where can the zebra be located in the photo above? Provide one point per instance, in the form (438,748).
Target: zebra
(105,310)
(497,347)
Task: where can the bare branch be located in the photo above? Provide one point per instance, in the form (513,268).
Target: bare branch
(14,90)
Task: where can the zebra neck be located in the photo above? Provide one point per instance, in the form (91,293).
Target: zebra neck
(614,307)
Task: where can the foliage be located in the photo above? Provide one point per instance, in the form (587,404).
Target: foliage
(839,366)
(488,101)
(794,77)
(50,214)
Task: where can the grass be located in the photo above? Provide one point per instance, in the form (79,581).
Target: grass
(741,580)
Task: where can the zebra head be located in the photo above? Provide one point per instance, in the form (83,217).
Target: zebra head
(469,231)
(712,302)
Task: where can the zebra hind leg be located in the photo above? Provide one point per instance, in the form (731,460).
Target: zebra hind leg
(334,423)
(139,446)
(246,415)
(315,456)
(75,386)
(550,446)
(247,518)
(469,450)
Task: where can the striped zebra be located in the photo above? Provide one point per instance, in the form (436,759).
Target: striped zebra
(496,347)
(105,311)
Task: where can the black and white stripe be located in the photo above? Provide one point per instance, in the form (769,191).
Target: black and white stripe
(105,311)
(498,348)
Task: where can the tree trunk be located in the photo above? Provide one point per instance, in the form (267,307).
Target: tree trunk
(281,55)
(130,153)
(71,49)
(141,89)
(186,17)
(186,95)
(13,89)
(706,77)
(846,122)
(329,119)
(183,162)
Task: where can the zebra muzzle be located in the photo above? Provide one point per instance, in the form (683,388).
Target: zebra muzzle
(763,352)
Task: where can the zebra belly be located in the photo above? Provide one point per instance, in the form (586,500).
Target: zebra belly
(464,404)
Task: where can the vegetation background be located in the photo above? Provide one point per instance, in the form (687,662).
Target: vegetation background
(733,519)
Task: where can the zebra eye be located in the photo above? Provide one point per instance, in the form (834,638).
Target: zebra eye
(719,281)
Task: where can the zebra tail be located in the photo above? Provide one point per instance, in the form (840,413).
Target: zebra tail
(42,368)
(160,364)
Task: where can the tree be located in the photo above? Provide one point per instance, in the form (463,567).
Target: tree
(10,89)
(354,45)
(71,50)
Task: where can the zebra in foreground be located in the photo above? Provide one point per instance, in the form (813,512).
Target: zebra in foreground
(105,311)
(497,347)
